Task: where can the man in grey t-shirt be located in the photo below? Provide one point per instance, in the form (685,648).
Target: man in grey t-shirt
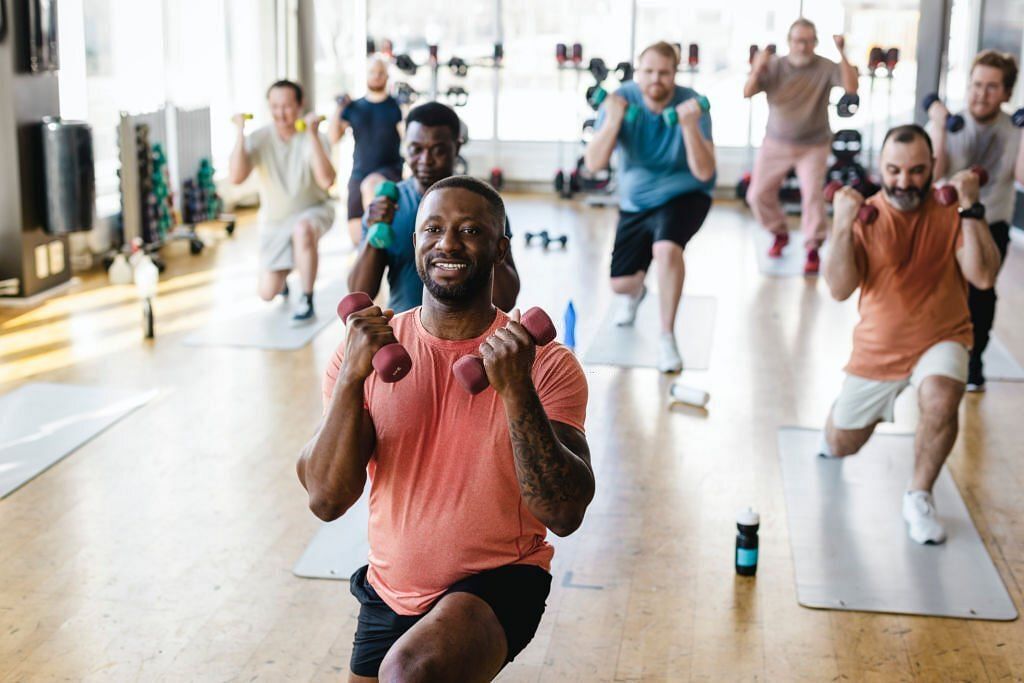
(990,140)
(798,135)
(291,161)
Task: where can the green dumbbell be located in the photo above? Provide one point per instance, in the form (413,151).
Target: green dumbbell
(380,235)
(671,118)
(632,112)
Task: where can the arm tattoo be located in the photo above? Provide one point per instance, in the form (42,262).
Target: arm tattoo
(551,477)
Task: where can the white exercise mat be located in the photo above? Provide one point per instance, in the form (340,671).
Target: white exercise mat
(268,325)
(637,346)
(791,264)
(339,547)
(1000,365)
(41,424)
(849,541)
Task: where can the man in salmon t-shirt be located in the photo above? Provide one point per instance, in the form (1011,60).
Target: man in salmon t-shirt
(462,487)
(912,265)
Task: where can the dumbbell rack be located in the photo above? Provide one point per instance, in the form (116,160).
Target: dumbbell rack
(886,61)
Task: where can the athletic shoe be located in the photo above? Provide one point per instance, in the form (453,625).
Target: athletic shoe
(284,291)
(305,314)
(781,240)
(975,380)
(628,305)
(922,520)
(813,263)
(668,356)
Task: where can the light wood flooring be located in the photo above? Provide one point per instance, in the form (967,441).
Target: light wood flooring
(162,549)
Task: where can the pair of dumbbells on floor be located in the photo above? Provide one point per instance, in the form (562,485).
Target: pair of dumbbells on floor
(945,195)
(392,362)
(546,240)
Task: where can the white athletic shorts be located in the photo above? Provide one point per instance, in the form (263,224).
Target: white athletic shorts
(863,402)
(276,238)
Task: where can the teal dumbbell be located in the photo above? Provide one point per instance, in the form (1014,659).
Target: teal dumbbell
(380,235)
(671,118)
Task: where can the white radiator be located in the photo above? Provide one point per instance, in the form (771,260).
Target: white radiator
(190,141)
(131,194)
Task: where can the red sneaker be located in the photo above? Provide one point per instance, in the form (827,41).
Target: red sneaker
(813,263)
(781,240)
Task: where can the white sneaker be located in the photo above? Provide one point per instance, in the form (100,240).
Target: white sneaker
(922,519)
(628,306)
(668,356)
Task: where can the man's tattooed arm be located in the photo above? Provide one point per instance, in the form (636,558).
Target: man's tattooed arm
(552,464)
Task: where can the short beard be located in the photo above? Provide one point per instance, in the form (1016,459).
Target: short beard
(908,200)
(456,294)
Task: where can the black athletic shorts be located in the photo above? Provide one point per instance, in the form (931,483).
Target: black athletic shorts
(516,592)
(355,197)
(677,220)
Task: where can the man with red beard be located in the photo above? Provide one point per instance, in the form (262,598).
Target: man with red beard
(912,264)
(988,139)
(666,174)
(798,135)
(376,121)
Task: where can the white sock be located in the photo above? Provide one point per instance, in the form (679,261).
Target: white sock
(823,448)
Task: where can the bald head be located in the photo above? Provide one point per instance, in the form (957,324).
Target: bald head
(376,74)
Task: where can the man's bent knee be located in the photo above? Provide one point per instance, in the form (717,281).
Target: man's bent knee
(940,396)
(408,666)
(304,234)
(665,250)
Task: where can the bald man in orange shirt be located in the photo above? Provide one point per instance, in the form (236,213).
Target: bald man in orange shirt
(462,487)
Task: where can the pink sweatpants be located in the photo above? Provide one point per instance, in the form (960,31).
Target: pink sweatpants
(773,163)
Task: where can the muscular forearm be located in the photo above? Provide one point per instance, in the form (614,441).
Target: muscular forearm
(323,170)
(556,484)
(752,87)
(368,270)
(599,150)
(849,73)
(980,259)
(840,265)
(700,153)
(332,467)
(239,166)
(506,286)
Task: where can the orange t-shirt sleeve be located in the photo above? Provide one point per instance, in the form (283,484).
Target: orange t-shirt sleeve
(562,387)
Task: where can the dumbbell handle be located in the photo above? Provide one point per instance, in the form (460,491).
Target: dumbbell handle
(866,214)
(391,362)
(470,371)
(947,194)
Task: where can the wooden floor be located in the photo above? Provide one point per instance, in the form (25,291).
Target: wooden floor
(161,550)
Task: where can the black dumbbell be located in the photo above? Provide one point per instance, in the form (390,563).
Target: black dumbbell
(458,67)
(1018,118)
(624,72)
(457,96)
(598,69)
(954,122)
(848,105)
(543,234)
(405,64)
(547,240)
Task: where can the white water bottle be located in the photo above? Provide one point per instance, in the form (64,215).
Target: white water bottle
(120,271)
(680,393)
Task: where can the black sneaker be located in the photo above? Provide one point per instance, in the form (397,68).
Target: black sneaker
(975,380)
(284,291)
(305,313)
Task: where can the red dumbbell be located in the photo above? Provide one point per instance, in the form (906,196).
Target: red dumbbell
(469,370)
(866,214)
(391,362)
(947,194)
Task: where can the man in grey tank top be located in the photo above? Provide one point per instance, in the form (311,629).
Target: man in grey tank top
(989,139)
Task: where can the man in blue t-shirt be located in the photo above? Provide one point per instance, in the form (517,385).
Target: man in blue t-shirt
(432,143)
(666,174)
(376,121)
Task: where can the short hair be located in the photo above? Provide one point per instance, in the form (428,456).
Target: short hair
(435,114)
(1003,61)
(465,182)
(285,83)
(664,49)
(805,23)
(906,133)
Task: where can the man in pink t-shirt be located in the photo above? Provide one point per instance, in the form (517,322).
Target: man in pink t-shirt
(462,487)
